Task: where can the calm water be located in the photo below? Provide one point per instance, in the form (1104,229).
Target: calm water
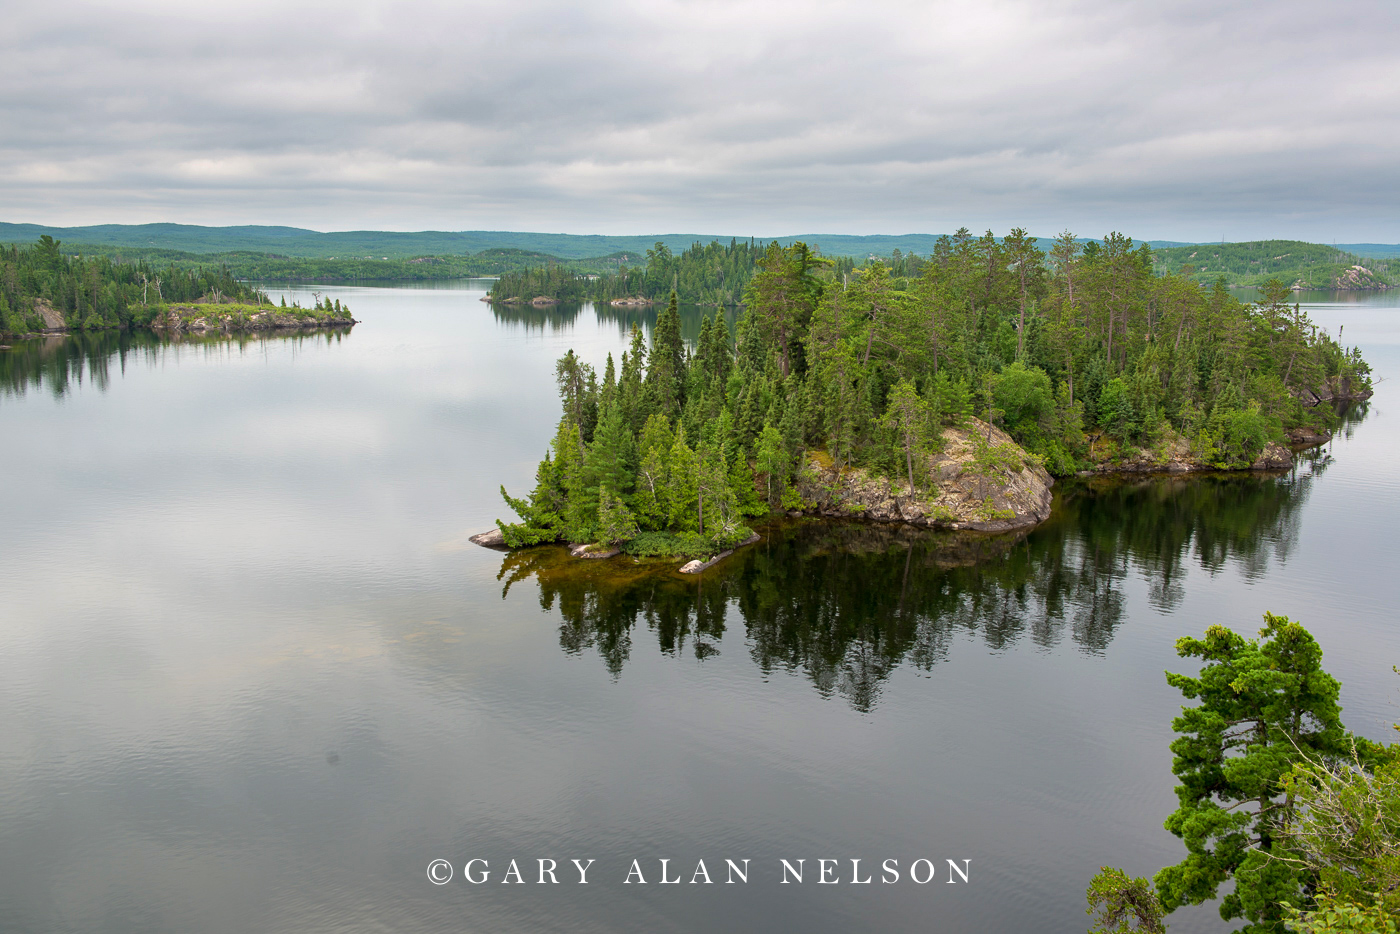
(254,678)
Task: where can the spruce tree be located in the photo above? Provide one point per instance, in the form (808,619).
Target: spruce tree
(612,455)
(665,377)
(653,485)
(629,381)
(616,523)
(683,490)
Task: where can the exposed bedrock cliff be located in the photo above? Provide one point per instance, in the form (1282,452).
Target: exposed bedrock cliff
(980,480)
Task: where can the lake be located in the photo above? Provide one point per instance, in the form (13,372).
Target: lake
(254,678)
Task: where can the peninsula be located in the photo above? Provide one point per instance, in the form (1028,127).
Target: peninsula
(45,291)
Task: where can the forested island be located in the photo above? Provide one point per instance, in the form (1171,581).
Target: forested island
(44,290)
(1296,264)
(706,274)
(712,274)
(269,267)
(945,392)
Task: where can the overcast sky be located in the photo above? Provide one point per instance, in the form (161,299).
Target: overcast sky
(1167,120)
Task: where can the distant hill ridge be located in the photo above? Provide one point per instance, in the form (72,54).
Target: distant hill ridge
(386,244)
(293,253)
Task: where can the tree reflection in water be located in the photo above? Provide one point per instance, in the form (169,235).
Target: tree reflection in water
(563,316)
(60,362)
(846,602)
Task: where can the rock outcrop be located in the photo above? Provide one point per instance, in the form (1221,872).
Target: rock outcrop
(1359,278)
(491,539)
(980,480)
(53,318)
(696,566)
(1307,437)
(1175,455)
(1338,389)
(593,550)
(1273,457)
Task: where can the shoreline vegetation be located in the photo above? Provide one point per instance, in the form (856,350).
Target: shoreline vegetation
(44,291)
(949,399)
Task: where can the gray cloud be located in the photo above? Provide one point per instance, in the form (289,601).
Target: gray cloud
(1178,120)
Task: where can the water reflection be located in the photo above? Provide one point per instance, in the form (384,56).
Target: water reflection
(845,603)
(563,316)
(62,362)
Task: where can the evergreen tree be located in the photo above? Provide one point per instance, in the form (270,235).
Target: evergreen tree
(630,384)
(773,462)
(653,496)
(1265,706)
(683,488)
(612,455)
(615,521)
(666,373)
(910,422)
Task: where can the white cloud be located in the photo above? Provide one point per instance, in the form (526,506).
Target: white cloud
(1167,120)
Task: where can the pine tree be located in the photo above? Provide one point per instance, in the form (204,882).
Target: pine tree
(1265,705)
(910,421)
(580,486)
(607,394)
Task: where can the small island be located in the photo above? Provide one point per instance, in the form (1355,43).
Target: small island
(44,291)
(948,400)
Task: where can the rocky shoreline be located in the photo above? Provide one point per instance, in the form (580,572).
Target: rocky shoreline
(201,319)
(539,301)
(205,318)
(1176,456)
(983,482)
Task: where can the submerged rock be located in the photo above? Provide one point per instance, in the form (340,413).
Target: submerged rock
(593,550)
(696,566)
(981,480)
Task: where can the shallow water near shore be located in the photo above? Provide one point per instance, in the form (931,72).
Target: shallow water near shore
(254,677)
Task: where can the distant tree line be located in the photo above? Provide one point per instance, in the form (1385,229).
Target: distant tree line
(704,274)
(1293,262)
